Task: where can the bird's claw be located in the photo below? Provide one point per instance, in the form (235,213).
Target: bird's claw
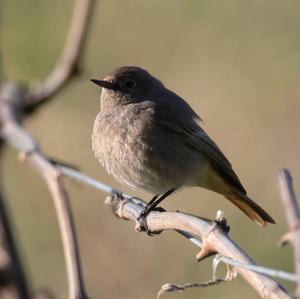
(141,221)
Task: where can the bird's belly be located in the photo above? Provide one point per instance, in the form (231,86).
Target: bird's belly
(130,162)
(150,173)
(148,165)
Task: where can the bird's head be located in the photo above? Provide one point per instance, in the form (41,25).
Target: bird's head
(129,84)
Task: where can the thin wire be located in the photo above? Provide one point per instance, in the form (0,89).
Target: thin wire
(263,270)
(77,175)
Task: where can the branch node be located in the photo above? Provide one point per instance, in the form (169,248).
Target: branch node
(116,201)
(205,252)
(286,239)
(222,221)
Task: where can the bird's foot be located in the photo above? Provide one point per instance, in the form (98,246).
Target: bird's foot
(141,221)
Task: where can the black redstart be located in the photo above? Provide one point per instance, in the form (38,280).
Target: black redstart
(149,138)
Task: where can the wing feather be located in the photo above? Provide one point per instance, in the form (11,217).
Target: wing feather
(183,121)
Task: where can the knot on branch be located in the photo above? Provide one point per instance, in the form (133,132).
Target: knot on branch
(116,201)
(222,221)
(12,93)
(207,250)
(288,238)
(13,97)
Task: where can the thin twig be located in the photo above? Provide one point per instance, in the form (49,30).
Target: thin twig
(13,103)
(15,135)
(292,211)
(175,288)
(69,60)
(65,218)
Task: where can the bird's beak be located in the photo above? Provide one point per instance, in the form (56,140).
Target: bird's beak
(104,83)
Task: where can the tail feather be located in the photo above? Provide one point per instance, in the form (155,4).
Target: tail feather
(250,208)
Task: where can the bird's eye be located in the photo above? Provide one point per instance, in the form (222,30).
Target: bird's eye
(129,83)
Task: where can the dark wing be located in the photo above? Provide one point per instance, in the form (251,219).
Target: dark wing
(182,120)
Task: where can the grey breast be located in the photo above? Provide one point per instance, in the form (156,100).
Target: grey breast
(137,152)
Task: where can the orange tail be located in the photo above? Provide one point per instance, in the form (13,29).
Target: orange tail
(250,208)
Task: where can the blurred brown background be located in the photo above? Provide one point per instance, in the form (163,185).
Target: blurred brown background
(236,62)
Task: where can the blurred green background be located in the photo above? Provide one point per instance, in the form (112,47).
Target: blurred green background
(236,62)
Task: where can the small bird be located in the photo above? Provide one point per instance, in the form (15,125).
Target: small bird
(149,138)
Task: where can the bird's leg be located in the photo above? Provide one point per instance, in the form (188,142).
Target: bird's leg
(154,202)
(151,205)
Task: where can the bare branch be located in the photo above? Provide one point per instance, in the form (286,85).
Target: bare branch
(14,100)
(292,211)
(213,237)
(66,223)
(176,288)
(81,177)
(15,135)
(68,63)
